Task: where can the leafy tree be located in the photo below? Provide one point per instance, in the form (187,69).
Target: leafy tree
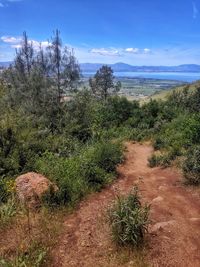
(103,85)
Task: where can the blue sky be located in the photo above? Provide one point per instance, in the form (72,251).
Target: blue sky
(138,32)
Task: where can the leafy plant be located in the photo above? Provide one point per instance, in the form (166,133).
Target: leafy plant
(191,166)
(91,169)
(28,259)
(128,219)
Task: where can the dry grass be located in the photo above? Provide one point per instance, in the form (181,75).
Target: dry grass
(28,239)
(127,256)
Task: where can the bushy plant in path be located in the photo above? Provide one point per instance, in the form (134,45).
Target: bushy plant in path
(129,219)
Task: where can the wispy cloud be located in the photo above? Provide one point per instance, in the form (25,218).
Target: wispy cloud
(4,3)
(11,39)
(118,52)
(15,42)
(134,50)
(195,10)
(105,51)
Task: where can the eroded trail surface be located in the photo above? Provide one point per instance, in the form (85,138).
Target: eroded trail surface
(174,234)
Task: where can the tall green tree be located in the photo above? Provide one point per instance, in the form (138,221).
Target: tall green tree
(38,77)
(103,84)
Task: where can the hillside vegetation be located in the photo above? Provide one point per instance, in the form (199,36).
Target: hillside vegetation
(77,144)
(163,95)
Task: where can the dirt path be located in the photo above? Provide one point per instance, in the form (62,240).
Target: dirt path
(174,238)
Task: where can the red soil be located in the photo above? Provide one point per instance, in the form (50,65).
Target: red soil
(174,234)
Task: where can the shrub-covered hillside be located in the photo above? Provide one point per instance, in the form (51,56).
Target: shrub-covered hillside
(38,127)
(77,143)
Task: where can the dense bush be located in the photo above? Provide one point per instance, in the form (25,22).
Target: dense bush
(164,159)
(91,169)
(105,155)
(191,166)
(73,144)
(128,219)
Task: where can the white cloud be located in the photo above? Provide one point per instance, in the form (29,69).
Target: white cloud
(195,10)
(10,39)
(147,51)
(132,50)
(15,42)
(36,44)
(105,51)
(17,46)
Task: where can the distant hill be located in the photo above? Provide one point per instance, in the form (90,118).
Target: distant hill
(122,67)
(5,64)
(165,93)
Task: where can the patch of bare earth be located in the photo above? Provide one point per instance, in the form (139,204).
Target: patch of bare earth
(174,234)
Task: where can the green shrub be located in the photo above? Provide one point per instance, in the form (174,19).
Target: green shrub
(153,160)
(180,133)
(128,219)
(105,155)
(91,169)
(165,159)
(191,166)
(66,174)
(158,143)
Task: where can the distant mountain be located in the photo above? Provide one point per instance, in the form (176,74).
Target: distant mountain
(122,67)
(5,64)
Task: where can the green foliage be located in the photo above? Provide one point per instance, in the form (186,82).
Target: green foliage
(105,155)
(79,115)
(90,169)
(71,142)
(164,159)
(102,85)
(109,118)
(191,166)
(34,257)
(66,174)
(128,219)
(38,78)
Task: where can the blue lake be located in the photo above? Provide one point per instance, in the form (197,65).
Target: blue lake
(178,76)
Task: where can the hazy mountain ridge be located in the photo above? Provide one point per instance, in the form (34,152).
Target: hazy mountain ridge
(123,67)
(5,64)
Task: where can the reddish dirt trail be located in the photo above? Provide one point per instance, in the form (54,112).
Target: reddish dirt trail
(174,234)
